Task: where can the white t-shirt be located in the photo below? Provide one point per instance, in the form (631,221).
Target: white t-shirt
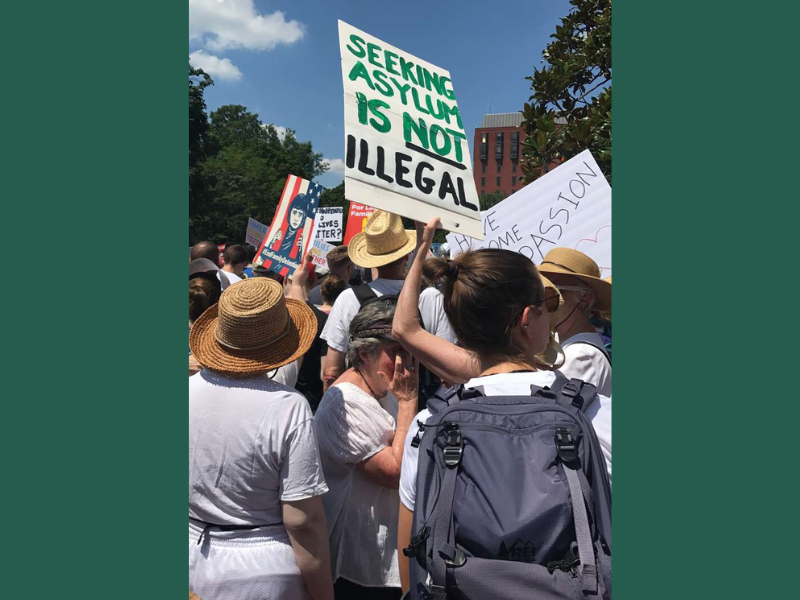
(352,426)
(586,362)
(251,447)
(503,384)
(232,277)
(431,306)
(223,279)
(287,374)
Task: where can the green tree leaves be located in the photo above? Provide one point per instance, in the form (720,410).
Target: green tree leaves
(237,167)
(570,109)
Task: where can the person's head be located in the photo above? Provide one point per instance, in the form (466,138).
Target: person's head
(494,300)
(297,211)
(578,279)
(202,294)
(235,258)
(331,288)
(251,253)
(383,244)
(339,262)
(372,349)
(429,271)
(207,250)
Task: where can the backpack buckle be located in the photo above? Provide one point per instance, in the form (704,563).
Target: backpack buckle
(453,447)
(565,446)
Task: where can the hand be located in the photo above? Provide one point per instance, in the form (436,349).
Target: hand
(405,383)
(301,273)
(430,230)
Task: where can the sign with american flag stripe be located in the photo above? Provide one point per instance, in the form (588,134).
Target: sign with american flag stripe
(289,236)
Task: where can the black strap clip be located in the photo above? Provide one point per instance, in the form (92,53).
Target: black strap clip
(453,447)
(566,446)
(413,547)
(452,557)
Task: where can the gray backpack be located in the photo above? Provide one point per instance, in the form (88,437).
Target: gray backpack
(513,500)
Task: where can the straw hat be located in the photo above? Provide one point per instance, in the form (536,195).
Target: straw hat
(565,265)
(252,329)
(383,241)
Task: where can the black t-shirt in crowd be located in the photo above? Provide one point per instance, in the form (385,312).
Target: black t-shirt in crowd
(308,381)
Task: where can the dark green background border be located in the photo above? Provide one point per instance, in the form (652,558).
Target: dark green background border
(95,207)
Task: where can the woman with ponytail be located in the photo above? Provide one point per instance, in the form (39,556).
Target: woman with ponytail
(500,311)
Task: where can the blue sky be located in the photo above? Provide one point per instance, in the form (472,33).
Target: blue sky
(286,67)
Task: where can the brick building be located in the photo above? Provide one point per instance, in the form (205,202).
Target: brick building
(497,153)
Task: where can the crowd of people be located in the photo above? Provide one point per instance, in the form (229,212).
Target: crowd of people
(386,425)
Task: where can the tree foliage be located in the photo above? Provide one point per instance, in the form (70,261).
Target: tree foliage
(570,109)
(237,167)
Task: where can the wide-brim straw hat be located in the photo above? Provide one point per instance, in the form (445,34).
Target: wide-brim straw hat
(564,266)
(383,241)
(252,329)
(550,291)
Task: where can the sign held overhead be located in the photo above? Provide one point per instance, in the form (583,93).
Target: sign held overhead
(406,150)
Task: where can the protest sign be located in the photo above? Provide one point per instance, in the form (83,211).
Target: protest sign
(319,252)
(356,219)
(289,235)
(328,224)
(406,150)
(569,207)
(255,232)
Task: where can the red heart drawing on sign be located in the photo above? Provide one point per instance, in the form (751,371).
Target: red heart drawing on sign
(594,240)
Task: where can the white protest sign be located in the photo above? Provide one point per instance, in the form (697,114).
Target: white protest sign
(570,207)
(406,150)
(319,252)
(329,224)
(255,232)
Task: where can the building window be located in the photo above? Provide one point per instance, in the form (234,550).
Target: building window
(514,145)
(513,167)
(484,146)
(498,182)
(483,167)
(513,181)
(498,167)
(483,181)
(498,148)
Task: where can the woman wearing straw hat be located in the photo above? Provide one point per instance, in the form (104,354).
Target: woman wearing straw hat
(361,425)
(383,245)
(578,279)
(503,313)
(256,521)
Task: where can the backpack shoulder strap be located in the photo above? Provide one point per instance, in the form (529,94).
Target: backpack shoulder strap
(444,397)
(363,293)
(574,393)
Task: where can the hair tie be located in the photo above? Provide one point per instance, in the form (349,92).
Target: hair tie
(453,272)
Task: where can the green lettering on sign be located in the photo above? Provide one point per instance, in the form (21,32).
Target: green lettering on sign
(372,53)
(406,67)
(359,51)
(443,150)
(360,70)
(421,130)
(381,83)
(391,58)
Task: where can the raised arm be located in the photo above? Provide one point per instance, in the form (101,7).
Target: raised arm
(448,361)
(384,467)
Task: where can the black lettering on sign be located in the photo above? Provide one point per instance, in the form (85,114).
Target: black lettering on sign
(351,151)
(401,169)
(538,241)
(424,184)
(362,160)
(381,173)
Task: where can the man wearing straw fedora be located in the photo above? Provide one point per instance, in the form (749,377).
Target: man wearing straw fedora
(257,525)
(578,279)
(385,245)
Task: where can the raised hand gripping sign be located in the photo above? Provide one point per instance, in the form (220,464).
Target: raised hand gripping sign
(289,235)
(406,150)
(570,207)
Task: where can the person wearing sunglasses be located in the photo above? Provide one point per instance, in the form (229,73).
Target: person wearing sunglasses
(497,305)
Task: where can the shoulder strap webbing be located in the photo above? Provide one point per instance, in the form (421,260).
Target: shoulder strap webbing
(575,393)
(582,531)
(363,293)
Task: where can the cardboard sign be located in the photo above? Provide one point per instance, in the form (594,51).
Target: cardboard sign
(255,232)
(328,225)
(569,207)
(289,236)
(356,220)
(406,150)
(319,252)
